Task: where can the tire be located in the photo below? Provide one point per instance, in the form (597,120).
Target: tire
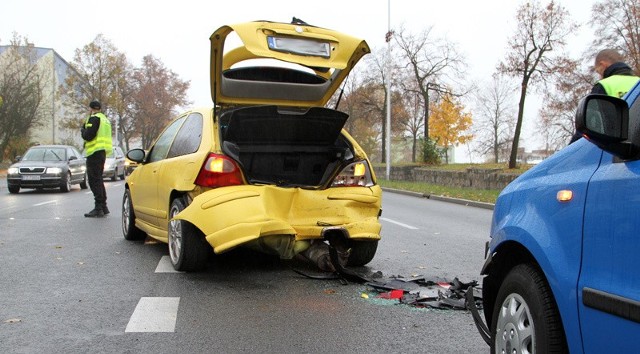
(114,177)
(83,184)
(65,184)
(525,316)
(14,189)
(121,176)
(129,229)
(362,252)
(187,247)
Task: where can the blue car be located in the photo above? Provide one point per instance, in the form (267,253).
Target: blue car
(562,271)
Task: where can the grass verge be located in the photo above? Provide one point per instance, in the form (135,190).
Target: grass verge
(487,196)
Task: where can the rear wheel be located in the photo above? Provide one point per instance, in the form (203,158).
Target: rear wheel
(187,247)
(65,184)
(129,229)
(362,252)
(525,317)
(14,189)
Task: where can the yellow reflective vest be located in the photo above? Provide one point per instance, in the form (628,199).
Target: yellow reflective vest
(102,141)
(618,85)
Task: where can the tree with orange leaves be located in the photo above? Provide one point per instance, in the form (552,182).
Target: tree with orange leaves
(449,122)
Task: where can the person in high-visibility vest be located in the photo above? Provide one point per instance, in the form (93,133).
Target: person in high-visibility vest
(96,133)
(617,78)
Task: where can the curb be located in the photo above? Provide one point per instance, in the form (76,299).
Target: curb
(466,202)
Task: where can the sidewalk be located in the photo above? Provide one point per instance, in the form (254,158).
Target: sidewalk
(441,198)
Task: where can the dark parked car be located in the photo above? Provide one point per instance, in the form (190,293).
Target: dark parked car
(48,166)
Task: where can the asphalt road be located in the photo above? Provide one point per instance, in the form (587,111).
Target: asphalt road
(74,285)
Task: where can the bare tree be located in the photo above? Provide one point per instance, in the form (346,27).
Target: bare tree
(571,82)
(158,92)
(364,120)
(374,98)
(415,122)
(122,104)
(21,89)
(494,126)
(428,60)
(98,69)
(617,25)
(540,31)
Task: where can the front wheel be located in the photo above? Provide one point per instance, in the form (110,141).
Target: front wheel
(187,246)
(65,184)
(129,229)
(83,184)
(14,189)
(525,317)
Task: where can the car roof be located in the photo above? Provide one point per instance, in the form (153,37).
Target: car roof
(51,146)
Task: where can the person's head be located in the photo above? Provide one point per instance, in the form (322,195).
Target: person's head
(604,59)
(95,106)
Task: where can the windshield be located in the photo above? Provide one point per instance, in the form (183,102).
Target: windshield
(44,154)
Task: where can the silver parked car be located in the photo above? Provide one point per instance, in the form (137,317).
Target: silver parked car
(114,165)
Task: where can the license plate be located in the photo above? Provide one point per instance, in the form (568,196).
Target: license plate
(299,46)
(30,177)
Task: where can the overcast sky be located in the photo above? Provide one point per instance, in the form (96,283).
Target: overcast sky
(177,32)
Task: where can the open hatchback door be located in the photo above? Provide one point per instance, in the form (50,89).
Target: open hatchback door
(280,64)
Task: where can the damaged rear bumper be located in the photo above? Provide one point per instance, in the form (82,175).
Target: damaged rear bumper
(283,220)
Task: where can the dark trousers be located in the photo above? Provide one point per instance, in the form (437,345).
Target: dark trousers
(95,167)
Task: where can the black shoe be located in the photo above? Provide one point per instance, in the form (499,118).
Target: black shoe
(105,210)
(95,213)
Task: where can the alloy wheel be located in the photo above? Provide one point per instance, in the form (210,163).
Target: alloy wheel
(175,235)
(515,332)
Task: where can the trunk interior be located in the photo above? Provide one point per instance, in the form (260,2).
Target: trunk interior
(285,147)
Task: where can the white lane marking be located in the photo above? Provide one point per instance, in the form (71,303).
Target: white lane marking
(165,266)
(45,203)
(154,314)
(399,224)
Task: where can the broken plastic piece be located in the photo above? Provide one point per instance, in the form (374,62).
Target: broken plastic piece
(392,295)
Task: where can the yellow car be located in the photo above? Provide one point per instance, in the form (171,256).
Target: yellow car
(268,167)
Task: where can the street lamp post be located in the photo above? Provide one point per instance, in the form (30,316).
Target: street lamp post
(388,88)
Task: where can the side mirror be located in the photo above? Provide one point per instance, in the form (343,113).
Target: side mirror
(604,121)
(136,155)
(17,158)
(71,158)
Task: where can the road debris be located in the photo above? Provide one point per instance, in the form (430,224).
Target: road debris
(417,291)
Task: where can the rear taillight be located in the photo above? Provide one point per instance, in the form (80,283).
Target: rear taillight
(219,171)
(356,174)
